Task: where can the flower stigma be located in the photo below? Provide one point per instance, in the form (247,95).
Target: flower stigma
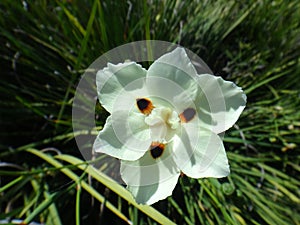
(163,123)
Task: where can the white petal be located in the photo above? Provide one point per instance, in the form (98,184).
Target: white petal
(114,78)
(124,136)
(219,102)
(177,60)
(200,153)
(152,193)
(150,179)
(171,76)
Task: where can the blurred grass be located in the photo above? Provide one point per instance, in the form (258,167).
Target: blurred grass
(46,45)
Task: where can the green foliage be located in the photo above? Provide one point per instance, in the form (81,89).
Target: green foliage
(46,45)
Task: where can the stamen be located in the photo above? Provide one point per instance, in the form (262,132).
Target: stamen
(144,105)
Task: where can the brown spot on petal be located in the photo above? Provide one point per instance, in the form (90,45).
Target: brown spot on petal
(144,105)
(156,149)
(187,115)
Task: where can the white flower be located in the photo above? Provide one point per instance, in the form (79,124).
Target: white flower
(165,121)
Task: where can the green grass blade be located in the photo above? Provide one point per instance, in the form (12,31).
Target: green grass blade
(10,184)
(115,187)
(74,177)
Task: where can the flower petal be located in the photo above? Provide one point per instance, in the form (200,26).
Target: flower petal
(150,194)
(124,136)
(114,78)
(219,102)
(151,178)
(176,61)
(198,152)
(172,75)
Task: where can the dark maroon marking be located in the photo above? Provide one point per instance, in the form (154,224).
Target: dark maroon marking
(157,150)
(144,105)
(187,115)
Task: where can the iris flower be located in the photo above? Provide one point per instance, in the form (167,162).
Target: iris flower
(165,121)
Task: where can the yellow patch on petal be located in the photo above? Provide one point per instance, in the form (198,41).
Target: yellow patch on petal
(144,105)
(157,149)
(187,115)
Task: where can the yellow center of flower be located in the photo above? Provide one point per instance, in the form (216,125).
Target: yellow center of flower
(163,116)
(163,122)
